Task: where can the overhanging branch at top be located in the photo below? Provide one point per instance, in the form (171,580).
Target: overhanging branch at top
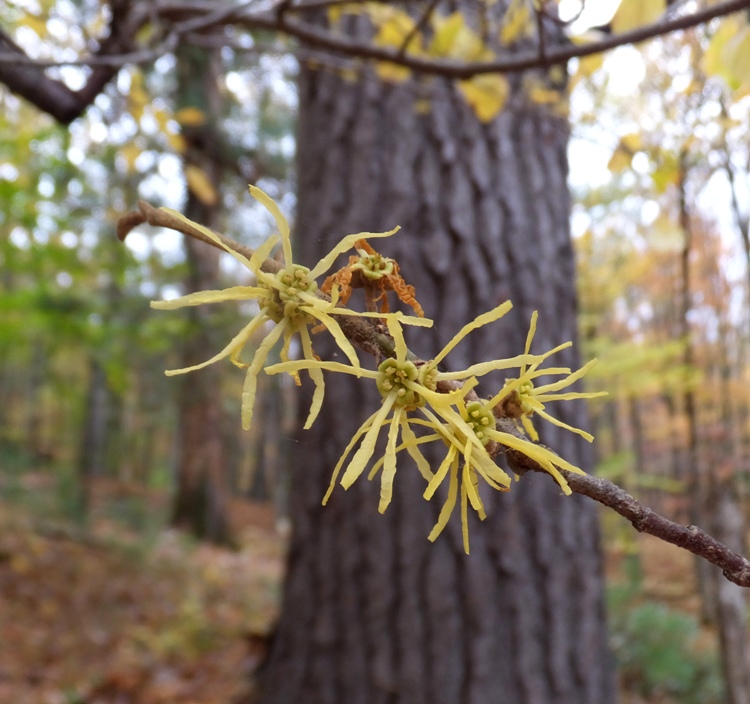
(175,22)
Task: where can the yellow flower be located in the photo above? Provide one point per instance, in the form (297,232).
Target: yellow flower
(452,428)
(467,429)
(397,381)
(532,398)
(287,298)
(406,387)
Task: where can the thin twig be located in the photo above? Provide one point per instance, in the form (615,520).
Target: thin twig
(510,64)
(539,14)
(418,25)
(734,566)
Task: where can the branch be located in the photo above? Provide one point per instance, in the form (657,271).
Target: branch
(418,25)
(366,334)
(28,81)
(27,78)
(511,64)
(205,16)
(735,567)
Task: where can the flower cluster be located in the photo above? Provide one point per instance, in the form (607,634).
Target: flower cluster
(286,297)
(421,404)
(411,400)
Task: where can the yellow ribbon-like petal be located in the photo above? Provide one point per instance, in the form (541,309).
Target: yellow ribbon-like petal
(389,461)
(235,293)
(344,245)
(210,234)
(299,364)
(364,428)
(366,449)
(478,322)
(483,368)
(236,344)
(450,502)
(251,378)
(317,377)
(281,222)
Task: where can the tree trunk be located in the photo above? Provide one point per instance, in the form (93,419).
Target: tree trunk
(201,499)
(372,611)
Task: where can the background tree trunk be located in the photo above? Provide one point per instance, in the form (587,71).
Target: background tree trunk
(201,500)
(372,611)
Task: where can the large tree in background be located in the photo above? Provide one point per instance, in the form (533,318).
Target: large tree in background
(372,611)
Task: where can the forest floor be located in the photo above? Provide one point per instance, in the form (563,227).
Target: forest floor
(106,616)
(110,614)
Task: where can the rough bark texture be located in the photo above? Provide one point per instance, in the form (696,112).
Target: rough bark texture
(372,611)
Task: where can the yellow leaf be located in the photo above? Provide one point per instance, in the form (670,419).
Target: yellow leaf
(628,146)
(620,160)
(177,142)
(736,57)
(130,152)
(36,23)
(632,142)
(190,117)
(200,185)
(713,63)
(378,12)
(516,23)
(138,96)
(445,31)
(454,39)
(395,29)
(543,96)
(588,65)
(667,170)
(392,73)
(162,118)
(637,13)
(486,94)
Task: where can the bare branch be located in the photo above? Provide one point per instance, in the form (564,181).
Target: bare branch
(517,62)
(47,94)
(418,25)
(321,38)
(734,566)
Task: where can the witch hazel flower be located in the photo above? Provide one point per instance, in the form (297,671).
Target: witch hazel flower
(408,386)
(287,297)
(530,399)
